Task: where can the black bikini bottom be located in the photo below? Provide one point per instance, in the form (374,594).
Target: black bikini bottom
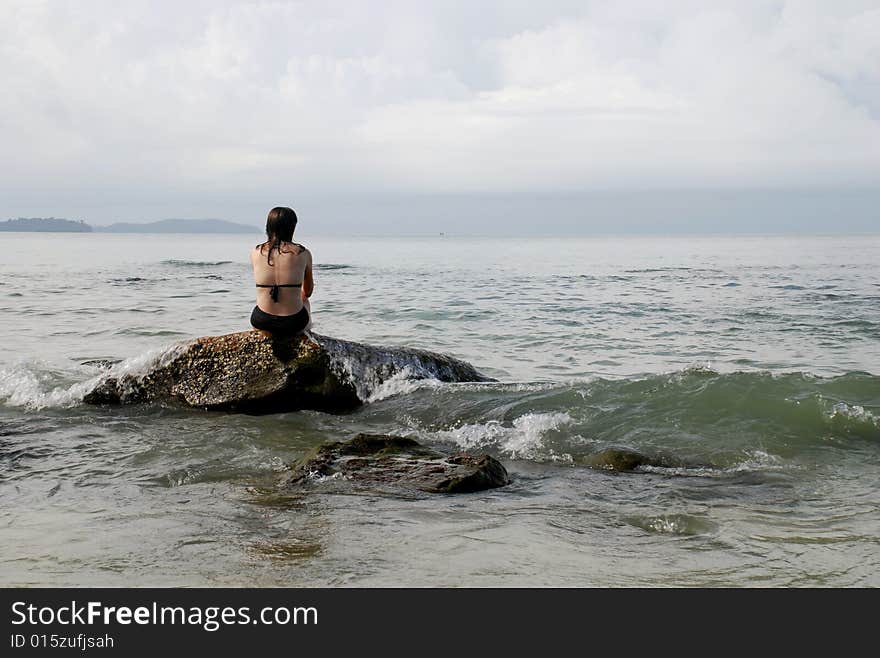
(280,325)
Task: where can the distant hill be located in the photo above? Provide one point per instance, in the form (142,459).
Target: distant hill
(45,225)
(180,226)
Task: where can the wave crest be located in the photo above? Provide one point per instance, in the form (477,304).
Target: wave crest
(31,387)
(522,439)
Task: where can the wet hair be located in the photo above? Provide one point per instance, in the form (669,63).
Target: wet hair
(280,225)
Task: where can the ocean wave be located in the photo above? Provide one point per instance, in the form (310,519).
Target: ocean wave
(404,382)
(674,524)
(139,331)
(34,386)
(408,382)
(522,438)
(708,423)
(128,280)
(377,372)
(850,418)
(195,263)
(730,420)
(331,266)
(796,406)
(660,270)
(757,460)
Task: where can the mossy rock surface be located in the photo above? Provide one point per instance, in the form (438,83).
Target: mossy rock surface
(626,460)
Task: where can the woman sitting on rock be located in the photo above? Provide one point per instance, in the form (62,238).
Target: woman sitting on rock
(283,274)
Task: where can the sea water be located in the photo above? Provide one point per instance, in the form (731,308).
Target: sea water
(756,360)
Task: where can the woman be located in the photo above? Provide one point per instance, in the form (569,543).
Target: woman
(283,274)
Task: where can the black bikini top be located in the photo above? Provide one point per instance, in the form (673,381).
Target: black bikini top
(273,293)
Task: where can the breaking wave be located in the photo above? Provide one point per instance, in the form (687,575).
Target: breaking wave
(522,438)
(34,386)
(739,421)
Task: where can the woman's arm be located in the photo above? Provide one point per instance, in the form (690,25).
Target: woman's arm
(308,282)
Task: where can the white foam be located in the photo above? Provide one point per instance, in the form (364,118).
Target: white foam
(143,364)
(407,382)
(668,525)
(32,385)
(759,460)
(841,411)
(132,370)
(404,382)
(317,477)
(523,439)
(698,368)
(274,464)
(376,372)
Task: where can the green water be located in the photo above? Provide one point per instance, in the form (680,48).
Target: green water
(751,364)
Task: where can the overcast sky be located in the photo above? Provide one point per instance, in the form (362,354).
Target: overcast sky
(361,112)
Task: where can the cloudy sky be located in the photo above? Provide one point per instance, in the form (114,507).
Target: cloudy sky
(374,112)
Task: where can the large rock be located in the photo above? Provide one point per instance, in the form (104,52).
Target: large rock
(379,461)
(251,372)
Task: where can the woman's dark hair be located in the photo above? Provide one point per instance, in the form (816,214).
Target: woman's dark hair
(279,229)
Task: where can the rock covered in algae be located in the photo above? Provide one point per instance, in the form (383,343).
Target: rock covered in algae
(382,461)
(625,460)
(250,371)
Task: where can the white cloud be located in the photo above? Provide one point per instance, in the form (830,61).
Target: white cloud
(185,100)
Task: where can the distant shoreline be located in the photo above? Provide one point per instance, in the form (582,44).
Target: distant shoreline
(164,226)
(45,225)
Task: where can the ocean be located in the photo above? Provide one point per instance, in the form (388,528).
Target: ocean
(754,361)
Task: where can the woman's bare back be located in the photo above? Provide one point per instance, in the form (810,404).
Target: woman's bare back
(291,265)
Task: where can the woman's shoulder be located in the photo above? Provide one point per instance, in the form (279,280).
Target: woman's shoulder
(296,247)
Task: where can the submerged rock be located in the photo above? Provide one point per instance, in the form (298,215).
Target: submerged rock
(382,461)
(101,364)
(626,460)
(249,371)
